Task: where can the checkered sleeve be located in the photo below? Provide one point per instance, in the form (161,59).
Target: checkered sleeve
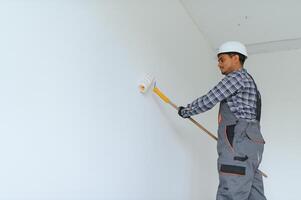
(225,88)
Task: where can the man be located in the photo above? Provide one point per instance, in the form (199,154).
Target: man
(240,143)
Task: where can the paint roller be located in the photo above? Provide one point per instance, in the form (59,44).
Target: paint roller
(146,83)
(144,86)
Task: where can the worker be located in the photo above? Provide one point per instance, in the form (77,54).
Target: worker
(240,143)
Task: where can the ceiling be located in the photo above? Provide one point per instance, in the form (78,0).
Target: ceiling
(263,25)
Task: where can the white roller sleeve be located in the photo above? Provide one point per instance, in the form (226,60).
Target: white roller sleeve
(145,83)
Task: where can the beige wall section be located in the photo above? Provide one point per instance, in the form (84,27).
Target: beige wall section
(74,125)
(277,75)
(162,156)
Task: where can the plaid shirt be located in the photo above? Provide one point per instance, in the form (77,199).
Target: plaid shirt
(237,88)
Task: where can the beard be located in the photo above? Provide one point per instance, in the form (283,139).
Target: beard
(222,72)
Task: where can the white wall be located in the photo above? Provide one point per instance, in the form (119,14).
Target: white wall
(278,76)
(73,124)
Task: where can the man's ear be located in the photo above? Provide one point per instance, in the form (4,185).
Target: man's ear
(236,57)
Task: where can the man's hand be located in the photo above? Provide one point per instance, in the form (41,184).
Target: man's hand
(181,113)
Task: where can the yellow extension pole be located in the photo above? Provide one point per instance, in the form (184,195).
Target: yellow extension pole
(167,100)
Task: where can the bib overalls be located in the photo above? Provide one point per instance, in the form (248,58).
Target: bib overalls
(240,147)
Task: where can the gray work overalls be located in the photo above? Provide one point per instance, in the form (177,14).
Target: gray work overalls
(240,147)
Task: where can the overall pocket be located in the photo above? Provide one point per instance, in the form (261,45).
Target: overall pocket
(229,135)
(252,144)
(253,133)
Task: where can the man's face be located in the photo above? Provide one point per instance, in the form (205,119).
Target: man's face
(226,63)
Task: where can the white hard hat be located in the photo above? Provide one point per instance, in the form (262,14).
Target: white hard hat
(233,46)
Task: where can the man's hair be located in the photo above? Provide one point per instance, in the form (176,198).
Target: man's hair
(242,58)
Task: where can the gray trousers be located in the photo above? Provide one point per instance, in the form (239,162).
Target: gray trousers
(238,164)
